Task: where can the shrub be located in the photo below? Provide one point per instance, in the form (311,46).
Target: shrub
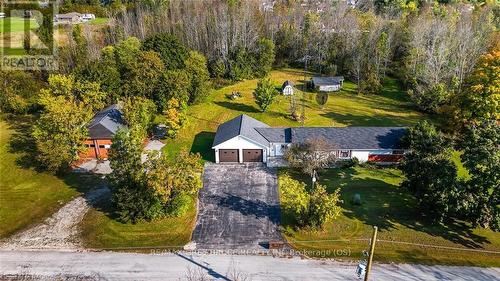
(323,207)
(313,210)
(294,198)
(179,205)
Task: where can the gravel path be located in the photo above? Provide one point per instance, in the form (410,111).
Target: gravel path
(60,231)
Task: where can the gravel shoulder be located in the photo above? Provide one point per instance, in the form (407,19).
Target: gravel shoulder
(59,231)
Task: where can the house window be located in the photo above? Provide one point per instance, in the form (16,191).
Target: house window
(344,154)
(101,146)
(90,145)
(398,151)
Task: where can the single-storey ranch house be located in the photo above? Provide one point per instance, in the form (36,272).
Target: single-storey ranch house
(327,84)
(101,130)
(245,139)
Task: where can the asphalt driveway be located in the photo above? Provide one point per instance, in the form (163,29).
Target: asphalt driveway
(238,207)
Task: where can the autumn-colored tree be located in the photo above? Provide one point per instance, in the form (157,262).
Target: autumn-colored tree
(60,131)
(174,116)
(88,93)
(18,91)
(481,98)
(323,206)
(139,112)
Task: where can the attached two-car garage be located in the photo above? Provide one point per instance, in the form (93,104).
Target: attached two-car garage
(238,141)
(232,155)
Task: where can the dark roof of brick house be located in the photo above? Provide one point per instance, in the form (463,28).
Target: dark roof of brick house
(106,123)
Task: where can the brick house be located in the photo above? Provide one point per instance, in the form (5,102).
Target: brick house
(101,130)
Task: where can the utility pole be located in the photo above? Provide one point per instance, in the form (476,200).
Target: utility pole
(372,249)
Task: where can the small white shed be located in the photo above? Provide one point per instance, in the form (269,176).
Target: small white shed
(287,88)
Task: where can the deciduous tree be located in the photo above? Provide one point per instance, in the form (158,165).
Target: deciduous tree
(481,158)
(196,68)
(312,155)
(265,93)
(481,97)
(430,173)
(60,131)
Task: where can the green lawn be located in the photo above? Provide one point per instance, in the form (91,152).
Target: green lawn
(345,108)
(391,208)
(461,171)
(101,231)
(99,21)
(28,196)
(16,24)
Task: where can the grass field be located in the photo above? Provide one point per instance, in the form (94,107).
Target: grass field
(344,108)
(391,208)
(101,231)
(16,24)
(28,196)
(99,21)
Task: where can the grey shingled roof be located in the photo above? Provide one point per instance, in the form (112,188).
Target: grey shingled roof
(276,135)
(353,137)
(243,125)
(106,123)
(326,81)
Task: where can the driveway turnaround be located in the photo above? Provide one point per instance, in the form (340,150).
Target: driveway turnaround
(238,207)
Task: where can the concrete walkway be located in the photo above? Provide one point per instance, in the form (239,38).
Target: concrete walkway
(50,265)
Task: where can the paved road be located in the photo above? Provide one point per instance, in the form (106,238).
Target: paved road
(238,207)
(49,265)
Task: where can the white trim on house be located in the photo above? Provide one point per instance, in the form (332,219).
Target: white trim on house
(241,143)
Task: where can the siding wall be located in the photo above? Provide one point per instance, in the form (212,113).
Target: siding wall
(96,148)
(240,144)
